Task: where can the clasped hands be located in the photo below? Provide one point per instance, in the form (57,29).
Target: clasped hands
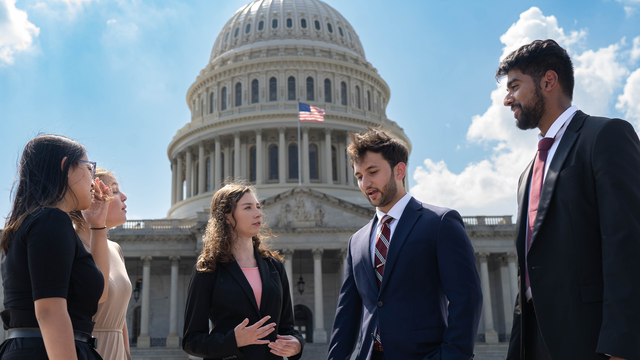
(286,345)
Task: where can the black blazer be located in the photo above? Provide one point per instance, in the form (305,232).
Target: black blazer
(225,297)
(583,261)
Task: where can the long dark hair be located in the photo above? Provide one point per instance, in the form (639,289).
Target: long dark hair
(219,236)
(41,182)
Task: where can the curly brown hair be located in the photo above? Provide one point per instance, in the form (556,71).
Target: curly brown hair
(219,235)
(376,140)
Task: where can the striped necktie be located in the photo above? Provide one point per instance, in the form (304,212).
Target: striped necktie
(382,247)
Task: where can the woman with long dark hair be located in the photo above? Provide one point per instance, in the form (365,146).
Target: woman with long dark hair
(52,285)
(240,286)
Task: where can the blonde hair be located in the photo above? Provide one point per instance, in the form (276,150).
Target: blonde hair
(219,235)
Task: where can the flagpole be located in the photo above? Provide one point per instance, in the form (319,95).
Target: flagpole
(299,145)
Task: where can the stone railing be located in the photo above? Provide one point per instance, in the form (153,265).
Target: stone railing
(157,224)
(487,220)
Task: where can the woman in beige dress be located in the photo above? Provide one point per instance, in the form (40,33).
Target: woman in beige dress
(111,326)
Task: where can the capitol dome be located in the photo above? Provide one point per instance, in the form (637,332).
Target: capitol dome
(269,56)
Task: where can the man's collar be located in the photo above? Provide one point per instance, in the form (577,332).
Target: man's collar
(397,209)
(559,123)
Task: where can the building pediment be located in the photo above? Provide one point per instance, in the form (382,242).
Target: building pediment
(304,208)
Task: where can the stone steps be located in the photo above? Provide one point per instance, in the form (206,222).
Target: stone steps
(158,353)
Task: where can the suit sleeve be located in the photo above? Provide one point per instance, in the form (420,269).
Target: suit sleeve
(286,326)
(461,284)
(514,342)
(196,339)
(346,325)
(616,166)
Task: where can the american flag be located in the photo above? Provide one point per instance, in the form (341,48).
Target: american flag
(310,113)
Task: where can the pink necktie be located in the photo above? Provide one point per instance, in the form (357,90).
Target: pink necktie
(536,188)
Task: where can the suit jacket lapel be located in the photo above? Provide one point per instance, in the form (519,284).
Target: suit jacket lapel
(409,217)
(236,272)
(364,243)
(523,203)
(265,278)
(568,139)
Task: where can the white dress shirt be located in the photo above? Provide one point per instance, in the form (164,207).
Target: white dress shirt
(395,212)
(556,131)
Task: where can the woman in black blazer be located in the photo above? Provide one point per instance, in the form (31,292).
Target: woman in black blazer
(240,286)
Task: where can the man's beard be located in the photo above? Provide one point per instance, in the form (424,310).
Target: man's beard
(388,192)
(530,115)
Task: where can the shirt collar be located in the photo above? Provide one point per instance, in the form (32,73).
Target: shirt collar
(559,123)
(397,209)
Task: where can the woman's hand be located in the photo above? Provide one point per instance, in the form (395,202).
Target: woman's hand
(96,214)
(286,345)
(250,335)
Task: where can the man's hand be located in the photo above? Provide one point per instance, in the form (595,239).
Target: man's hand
(250,335)
(286,345)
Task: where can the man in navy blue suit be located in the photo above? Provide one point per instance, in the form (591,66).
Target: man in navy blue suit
(411,288)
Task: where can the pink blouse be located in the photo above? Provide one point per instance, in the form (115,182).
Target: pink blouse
(253,276)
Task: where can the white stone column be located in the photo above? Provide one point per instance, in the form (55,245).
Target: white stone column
(319,333)
(328,166)
(173,340)
(506,293)
(174,172)
(180,182)
(212,169)
(227,161)
(202,169)
(305,155)
(259,171)
(288,267)
(341,163)
(144,341)
(236,155)
(282,161)
(512,258)
(189,174)
(218,168)
(491,336)
(350,176)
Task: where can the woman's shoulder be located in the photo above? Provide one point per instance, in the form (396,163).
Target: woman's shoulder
(48,220)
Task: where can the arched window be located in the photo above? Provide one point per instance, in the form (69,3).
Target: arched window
(368,100)
(340,31)
(343,93)
(238,94)
(274,24)
(226,38)
(357,96)
(289,23)
(273,89)
(212,100)
(317,24)
(330,28)
(273,162)
(313,162)
(334,163)
(291,88)
(327,90)
(261,25)
(135,328)
(303,23)
(208,174)
(235,35)
(247,29)
(223,99)
(254,91)
(252,164)
(293,161)
(310,96)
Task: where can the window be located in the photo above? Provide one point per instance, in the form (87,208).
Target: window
(273,162)
(310,96)
(289,23)
(221,166)
(252,164)
(343,93)
(212,100)
(317,23)
(223,99)
(238,94)
(247,29)
(226,38)
(202,107)
(274,24)
(273,89)
(261,25)
(327,90)
(313,162)
(235,35)
(330,28)
(254,91)
(334,163)
(340,31)
(303,23)
(357,96)
(208,174)
(349,33)
(291,88)
(293,161)
(368,100)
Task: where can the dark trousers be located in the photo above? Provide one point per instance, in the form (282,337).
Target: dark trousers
(534,346)
(378,355)
(33,349)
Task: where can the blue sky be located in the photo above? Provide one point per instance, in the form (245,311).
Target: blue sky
(114,75)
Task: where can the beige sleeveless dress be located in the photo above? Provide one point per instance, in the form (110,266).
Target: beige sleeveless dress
(111,315)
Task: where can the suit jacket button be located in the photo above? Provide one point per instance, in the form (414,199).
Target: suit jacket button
(380,303)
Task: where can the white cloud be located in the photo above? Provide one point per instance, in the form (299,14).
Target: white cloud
(119,32)
(635,50)
(630,6)
(16,32)
(489,187)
